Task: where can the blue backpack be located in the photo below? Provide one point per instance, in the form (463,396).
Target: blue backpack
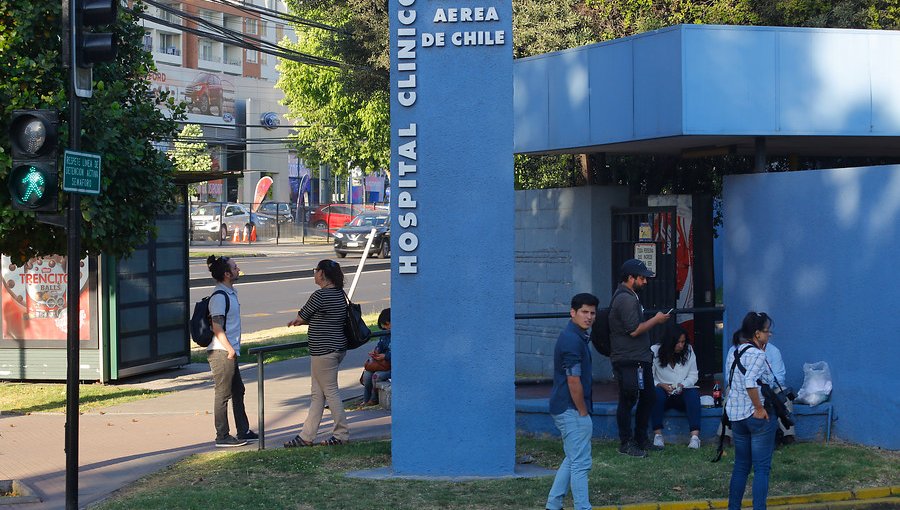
(201,325)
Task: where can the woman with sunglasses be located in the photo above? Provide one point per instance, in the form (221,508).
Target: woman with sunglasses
(325,312)
(753,427)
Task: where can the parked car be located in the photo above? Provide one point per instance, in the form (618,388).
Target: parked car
(335,216)
(219,221)
(352,237)
(278,211)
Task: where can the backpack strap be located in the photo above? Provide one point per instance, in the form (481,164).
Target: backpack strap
(227,304)
(736,364)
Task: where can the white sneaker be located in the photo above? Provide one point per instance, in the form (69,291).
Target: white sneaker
(658,441)
(695,442)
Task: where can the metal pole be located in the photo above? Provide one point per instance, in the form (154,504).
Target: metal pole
(261,397)
(73,292)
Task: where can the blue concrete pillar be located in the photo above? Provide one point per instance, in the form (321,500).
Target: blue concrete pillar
(452,208)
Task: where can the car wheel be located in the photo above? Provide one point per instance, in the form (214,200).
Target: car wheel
(321,225)
(204,104)
(340,255)
(223,232)
(385,249)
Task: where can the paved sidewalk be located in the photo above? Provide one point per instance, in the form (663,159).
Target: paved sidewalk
(120,444)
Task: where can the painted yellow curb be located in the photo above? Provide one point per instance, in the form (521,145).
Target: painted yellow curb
(875,492)
(685,505)
(641,506)
(819,497)
(895,490)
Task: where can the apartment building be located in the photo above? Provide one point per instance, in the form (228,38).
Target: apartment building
(229,89)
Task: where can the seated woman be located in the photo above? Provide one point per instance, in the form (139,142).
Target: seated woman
(675,376)
(378,366)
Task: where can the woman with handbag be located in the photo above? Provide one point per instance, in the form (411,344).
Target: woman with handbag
(752,425)
(378,366)
(326,314)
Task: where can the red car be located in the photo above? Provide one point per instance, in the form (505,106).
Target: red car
(335,216)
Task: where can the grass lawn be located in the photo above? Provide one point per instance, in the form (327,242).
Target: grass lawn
(275,336)
(313,478)
(51,397)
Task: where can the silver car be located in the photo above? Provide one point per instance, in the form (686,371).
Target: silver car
(220,220)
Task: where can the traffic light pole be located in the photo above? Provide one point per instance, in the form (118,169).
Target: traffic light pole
(73,291)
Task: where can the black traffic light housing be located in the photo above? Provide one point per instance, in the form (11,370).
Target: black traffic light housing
(33,181)
(90,47)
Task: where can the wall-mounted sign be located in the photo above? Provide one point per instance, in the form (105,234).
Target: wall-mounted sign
(645,233)
(646,252)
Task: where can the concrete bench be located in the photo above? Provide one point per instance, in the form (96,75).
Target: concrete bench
(384,393)
(813,423)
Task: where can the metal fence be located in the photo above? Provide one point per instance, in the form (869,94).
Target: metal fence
(227,223)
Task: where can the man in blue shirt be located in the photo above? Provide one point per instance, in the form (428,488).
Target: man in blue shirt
(570,403)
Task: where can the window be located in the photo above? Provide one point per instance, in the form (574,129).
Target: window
(169,44)
(252,56)
(252,26)
(206,49)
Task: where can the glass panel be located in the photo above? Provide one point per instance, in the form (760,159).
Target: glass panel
(134,319)
(170,230)
(135,290)
(170,259)
(170,314)
(134,348)
(137,263)
(169,287)
(170,342)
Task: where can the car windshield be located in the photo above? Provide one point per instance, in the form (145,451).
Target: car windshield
(365,220)
(208,210)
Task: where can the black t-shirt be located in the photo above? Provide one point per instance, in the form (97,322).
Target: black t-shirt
(625,315)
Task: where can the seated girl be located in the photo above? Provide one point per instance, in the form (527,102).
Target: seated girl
(378,366)
(675,376)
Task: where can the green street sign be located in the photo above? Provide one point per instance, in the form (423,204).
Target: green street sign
(81,173)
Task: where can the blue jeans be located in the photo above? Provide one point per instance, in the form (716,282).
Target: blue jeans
(369,394)
(576,432)
(688,401)
(754,442)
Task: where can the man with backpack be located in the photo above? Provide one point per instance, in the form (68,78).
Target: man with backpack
(222,352)
(632,359)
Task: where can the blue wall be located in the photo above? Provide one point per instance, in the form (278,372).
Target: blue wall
(709,81)
(453,318)
(817,250)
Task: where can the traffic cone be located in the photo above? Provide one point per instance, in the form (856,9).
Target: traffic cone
(236,238)
(253,234)
(245,236)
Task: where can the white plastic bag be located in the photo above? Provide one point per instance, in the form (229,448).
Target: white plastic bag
(816,384)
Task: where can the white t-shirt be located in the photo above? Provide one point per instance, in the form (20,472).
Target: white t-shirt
(684,374)
(232,319)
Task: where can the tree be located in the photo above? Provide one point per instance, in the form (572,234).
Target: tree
(344,110)
(191,154)
(120,122)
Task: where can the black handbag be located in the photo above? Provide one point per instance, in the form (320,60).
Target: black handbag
(355,328)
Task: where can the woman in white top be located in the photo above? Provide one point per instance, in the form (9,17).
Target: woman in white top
(675,377)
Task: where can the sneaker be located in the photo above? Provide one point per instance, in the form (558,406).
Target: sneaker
(632,449)
(248,436)
(695,443)
(229,441)
(658,441)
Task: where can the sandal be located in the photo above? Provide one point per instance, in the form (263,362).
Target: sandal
(333,441)
(297,442)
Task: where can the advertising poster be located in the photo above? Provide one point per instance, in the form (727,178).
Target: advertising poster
(34,299)
(209,95)
(683,245)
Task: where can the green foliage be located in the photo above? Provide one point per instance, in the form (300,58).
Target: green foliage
(345,110)
(191,154)
(541,27)
(119,123)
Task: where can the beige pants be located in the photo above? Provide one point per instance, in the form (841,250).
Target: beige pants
(324,372)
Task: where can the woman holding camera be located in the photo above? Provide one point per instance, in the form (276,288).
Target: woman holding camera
(752,425)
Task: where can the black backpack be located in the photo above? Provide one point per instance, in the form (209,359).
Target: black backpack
(600,335)
(201,326)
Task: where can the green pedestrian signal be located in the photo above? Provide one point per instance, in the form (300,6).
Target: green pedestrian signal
(33,182)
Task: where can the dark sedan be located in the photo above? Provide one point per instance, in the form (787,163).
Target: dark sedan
(352,237)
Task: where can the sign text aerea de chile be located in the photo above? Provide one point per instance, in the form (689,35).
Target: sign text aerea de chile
(81,173)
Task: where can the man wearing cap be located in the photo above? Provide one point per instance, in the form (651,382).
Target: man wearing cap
(631,357)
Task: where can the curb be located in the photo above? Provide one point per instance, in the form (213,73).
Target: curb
(875,497)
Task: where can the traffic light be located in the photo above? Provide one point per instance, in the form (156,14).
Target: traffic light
(34,177)
(90,47)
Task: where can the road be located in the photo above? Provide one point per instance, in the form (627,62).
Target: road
(269,301)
